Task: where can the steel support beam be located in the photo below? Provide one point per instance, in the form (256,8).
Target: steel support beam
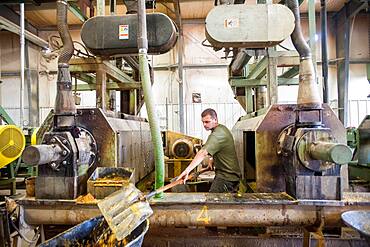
(324,51)
(73,7)
(259,70)
(272,80)
(110,86)
(290,73)
(102,96)
(91,65)
(13,17)
(180,50)
(239,82)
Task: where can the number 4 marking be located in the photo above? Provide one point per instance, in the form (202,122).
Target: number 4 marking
(203,216)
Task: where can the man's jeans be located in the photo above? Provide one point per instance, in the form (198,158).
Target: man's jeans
(220,185)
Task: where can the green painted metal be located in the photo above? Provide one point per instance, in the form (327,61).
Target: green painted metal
(73,7)
(153,121)
(110,86)
(259,70)
(242,82)
(4,116)
(290,73)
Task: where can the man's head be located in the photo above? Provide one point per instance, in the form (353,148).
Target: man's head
(209,119)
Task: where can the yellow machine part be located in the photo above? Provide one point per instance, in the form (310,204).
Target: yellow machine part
(12,143)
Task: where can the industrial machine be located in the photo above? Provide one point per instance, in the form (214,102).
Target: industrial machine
(358,139)
(285,150)
(79,140)
(298,148)
(180,150)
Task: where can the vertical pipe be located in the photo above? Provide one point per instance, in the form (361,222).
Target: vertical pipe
(21,35)
(312,31)
(180,67)
(100,5)
(308,93)
(324,50)
(148,96)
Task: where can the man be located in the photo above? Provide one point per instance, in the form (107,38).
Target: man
(220,145)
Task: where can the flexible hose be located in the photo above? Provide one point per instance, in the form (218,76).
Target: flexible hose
(297,36)
(67,52)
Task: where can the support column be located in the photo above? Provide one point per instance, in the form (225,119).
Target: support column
(342,50)
(324,51)
(112,93)
(180,46)
(102,95)
(312,31)
(272,80)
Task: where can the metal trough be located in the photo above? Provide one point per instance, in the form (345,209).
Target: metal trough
(89,232)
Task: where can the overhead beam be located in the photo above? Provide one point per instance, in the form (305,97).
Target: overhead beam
(14,17)
(110,86)
(238,82)
(14,28)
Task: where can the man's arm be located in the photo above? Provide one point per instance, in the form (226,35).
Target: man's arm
(194,163)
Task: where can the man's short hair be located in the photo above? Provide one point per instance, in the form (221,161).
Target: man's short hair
(209,111)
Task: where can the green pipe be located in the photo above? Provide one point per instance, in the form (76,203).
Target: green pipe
(153,120)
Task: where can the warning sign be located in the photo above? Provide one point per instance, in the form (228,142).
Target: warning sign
(231,22)
(123,32)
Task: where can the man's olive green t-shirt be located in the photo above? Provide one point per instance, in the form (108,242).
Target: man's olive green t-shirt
(220,144)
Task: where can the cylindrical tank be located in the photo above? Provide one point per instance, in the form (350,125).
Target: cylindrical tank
(114,35)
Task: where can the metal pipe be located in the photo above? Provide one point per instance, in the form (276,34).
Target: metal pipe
(333,152)
(324,51)
(64,102)
(22,42)
(41,154)
(308,93)
(172,214)
(241,59)
(180,68)
(148,96)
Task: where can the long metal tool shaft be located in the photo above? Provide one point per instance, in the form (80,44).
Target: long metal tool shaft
(148,97)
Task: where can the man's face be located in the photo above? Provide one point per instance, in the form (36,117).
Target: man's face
(209,123)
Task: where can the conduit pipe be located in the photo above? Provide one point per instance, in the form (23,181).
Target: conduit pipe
(148,97)
(308,92)
(22,43)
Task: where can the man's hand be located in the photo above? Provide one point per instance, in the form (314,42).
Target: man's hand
(184,175)
(211,164)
